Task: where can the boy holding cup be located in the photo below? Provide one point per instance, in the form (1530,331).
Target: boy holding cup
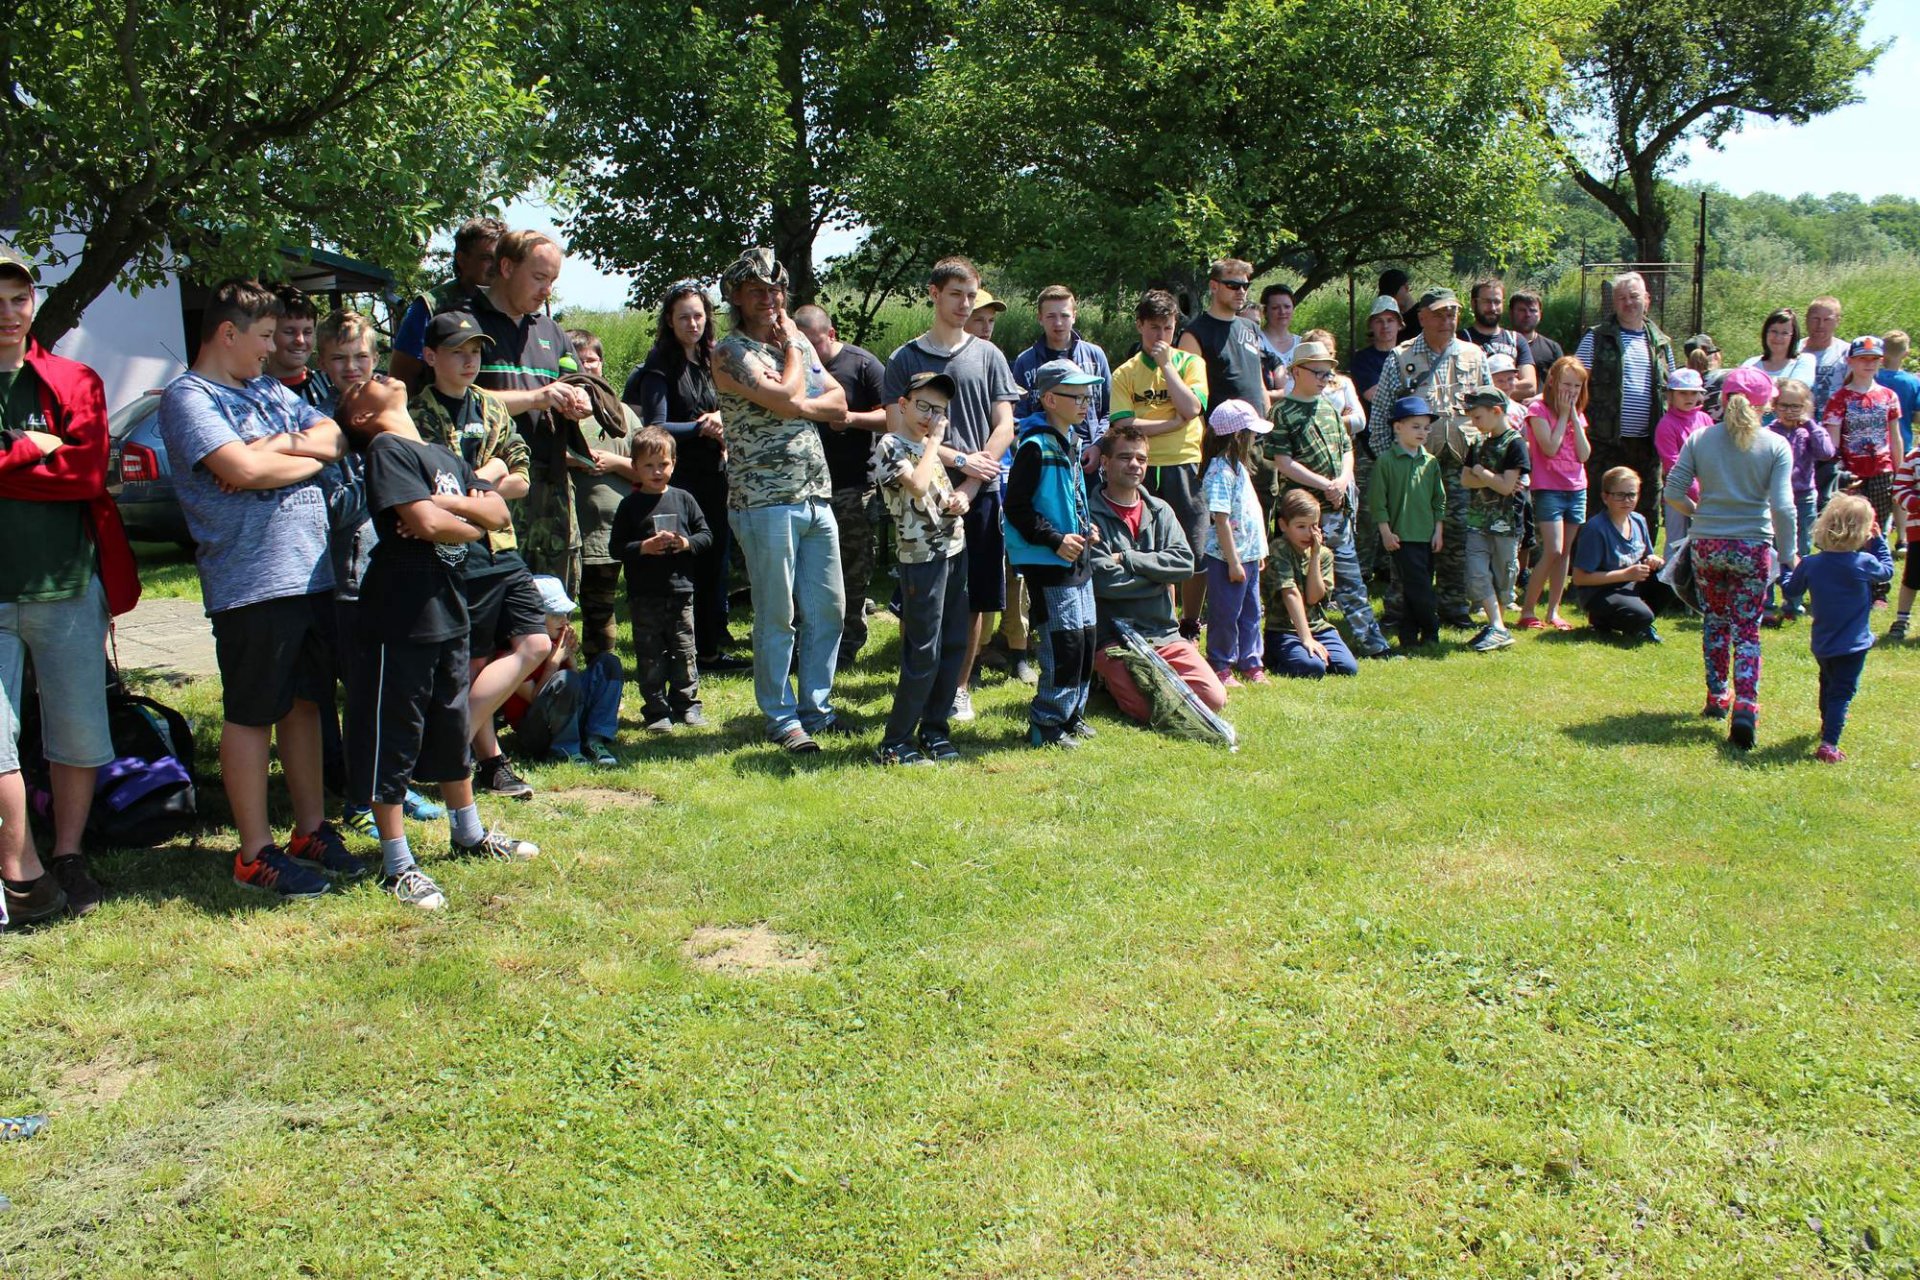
(657,532)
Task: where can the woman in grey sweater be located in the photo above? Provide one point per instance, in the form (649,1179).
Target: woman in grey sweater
(1744,472)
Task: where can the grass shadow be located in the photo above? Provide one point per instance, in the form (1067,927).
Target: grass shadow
(1659,728)
(1797,749)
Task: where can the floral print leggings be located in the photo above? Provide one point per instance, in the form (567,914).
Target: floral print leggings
(1731,574)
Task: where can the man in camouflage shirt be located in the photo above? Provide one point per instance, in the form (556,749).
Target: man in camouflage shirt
(1437,365)
(773,389)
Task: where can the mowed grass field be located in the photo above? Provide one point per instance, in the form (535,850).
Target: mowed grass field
(1473,966)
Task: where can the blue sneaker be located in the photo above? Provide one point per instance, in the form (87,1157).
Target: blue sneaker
(360,822)
(421,809)
(274,872)
(324,850)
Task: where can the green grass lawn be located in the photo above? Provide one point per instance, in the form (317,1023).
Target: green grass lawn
(1474,966)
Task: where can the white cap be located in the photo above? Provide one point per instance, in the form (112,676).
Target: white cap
(553,594)
(1383,303)
(1500,362)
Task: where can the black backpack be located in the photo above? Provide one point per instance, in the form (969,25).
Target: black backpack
(148,794)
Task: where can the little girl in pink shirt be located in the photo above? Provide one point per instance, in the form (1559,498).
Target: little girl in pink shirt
(1686,392)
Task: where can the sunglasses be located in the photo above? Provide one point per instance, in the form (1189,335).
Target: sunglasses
(1235,284)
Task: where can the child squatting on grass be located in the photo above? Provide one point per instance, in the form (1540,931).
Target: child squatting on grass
(1851,564)
(1303,573)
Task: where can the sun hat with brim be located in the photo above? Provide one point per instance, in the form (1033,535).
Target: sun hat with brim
(1311,353)
(984,301)
(928,380)
(1868,347)
(754,265)
(1751,382)
(1686,380)
(1230,417)
(1485,398)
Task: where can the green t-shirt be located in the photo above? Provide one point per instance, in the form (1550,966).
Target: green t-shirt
(48,554)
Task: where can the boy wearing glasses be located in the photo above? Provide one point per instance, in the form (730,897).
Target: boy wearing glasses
(1309,449)
(1229,343)
(1614,563)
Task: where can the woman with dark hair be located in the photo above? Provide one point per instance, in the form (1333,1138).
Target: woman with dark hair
(1779,340)
(674,389)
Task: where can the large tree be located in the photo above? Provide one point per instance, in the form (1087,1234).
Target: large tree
(1646,75)
(699,130)
(1129,141)
(219,132)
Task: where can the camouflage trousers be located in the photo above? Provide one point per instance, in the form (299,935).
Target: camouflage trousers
(853,512)
(1450,563)
(599,601)
(1366,536)
(549,533)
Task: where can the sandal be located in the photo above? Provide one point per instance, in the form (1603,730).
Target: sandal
(1559,624)
(1531,623)
(20,1128)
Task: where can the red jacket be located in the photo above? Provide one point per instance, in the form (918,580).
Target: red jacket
(75,407)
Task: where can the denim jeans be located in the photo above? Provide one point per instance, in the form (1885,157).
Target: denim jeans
(792,552)
(934,623)
(597,715)
(1296,660)
(1839,681)
(68,641)
(1349,583)
(1062,632)
(1804,505)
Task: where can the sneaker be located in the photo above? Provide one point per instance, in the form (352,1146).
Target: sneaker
(1050,736)
(1079,728)
(994,654)
(600,751)
(1740,729)
(1827,754)
(1228,680)
(499,846)
(496,777)
(1024,670)
(693,718)
(899,754)
(557,756)
(83,891)
(420,809)
(43,900)
(962,706)
(724,662)
(274,872)
(1490,639)
(939,748)
(1385,653)
(1716,709)
(1898,631)
(415,888)
(796,741)
(1651,635)
(1254,675)
(1771,618)
(20,1128)
(324,850)
(660,724)
(360,822)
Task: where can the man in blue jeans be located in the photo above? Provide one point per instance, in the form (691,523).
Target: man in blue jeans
(773,390)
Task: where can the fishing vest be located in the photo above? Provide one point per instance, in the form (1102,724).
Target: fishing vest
(1603,388)
(1445,384)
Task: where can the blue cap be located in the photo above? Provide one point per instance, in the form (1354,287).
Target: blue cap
(1411,407)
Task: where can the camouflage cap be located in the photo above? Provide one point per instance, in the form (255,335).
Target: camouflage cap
(754,264)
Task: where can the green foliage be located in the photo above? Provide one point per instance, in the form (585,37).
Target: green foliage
(1471,966)
(1124,143)
(221,132)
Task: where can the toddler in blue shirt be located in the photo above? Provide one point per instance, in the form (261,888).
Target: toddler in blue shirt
(1841,576)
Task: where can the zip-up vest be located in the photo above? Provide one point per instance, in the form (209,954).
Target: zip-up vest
(1603,388)
(1061,496)
(1445,386)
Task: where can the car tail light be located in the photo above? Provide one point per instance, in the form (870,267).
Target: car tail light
(138,465)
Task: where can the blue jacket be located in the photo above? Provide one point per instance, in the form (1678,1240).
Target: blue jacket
(1046,497)
(1841,584)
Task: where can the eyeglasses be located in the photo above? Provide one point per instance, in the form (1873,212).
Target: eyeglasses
(1234,284)
(1322,374)
(1623,493)
(1081,398)
(929,410)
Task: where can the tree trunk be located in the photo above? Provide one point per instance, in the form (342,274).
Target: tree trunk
(93,274)
(1650,233)
(793,245)
(793,212)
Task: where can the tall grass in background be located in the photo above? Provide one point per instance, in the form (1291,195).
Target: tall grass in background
(1875,296)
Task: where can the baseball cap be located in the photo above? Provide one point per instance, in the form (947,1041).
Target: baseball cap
(1868,345)
(1383,304)
(1686,380)
(938,381)
(1750,381)
(1312,353)
(1501,362)
(983,300)
(1701,342)
(1230,417)
(553,594)
(1411,407)
(1061,373)
(1437,298)
(12,261)
(1485,398)
(455,329)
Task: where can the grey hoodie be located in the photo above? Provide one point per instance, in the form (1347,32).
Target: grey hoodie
(1131,575)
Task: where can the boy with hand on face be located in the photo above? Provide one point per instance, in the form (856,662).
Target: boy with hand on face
(407,712)
(508,639)
(658,534)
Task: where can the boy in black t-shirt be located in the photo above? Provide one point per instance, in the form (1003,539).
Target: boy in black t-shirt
(407,708)
(657,534)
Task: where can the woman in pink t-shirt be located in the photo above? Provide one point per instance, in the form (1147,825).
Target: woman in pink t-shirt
(1557,450)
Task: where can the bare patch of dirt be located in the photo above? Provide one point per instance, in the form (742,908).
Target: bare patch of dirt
(106,1080)
(603,798)
(748,952)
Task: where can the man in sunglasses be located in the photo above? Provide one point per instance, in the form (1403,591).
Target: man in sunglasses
(1229,344)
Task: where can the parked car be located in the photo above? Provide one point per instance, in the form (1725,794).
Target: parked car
(139,477)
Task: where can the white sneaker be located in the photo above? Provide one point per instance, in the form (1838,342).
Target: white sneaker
(962,705)
(416,889)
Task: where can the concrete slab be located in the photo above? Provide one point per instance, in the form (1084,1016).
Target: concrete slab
(168,639)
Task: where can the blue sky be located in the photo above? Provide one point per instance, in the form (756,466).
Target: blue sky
(1860,148)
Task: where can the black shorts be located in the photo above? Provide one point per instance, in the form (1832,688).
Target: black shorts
(502,607)
(1910,566)
(271,653)
(1179,487)
(986,553)
(406,718)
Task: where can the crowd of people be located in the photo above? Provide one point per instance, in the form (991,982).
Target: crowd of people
(421,538)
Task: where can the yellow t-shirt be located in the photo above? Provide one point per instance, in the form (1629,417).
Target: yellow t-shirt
(1140,392)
